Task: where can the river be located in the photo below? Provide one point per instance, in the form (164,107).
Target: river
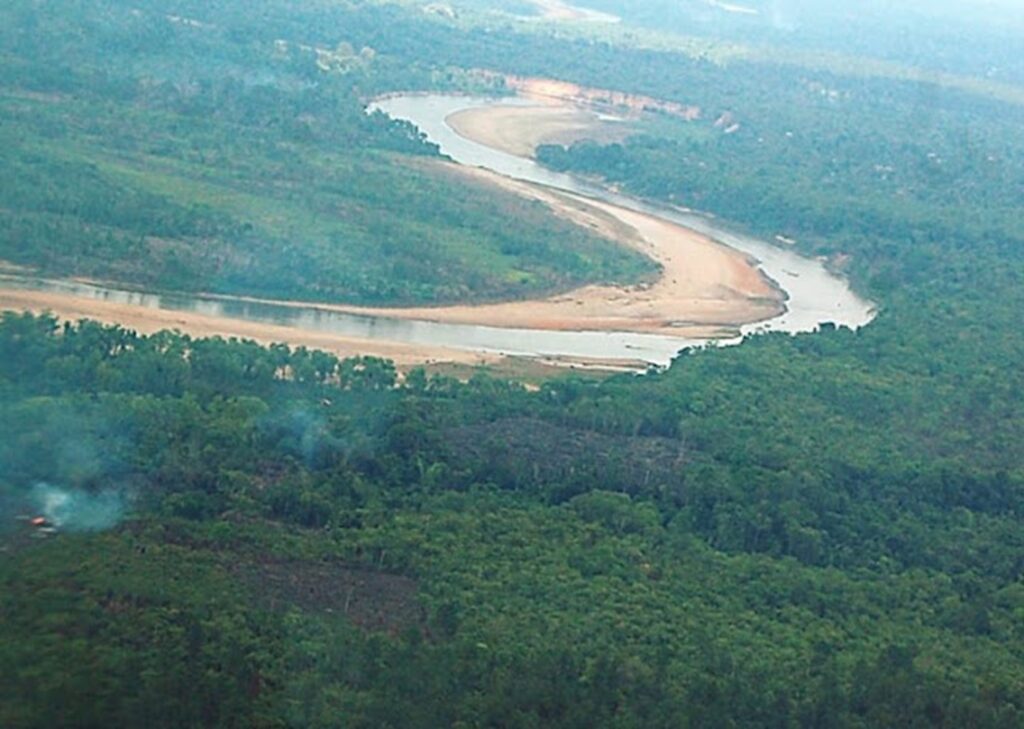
(814,295)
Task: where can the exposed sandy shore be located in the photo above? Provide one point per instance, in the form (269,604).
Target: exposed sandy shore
(519,130)
(558,10)
(445,360)
(146,321)
(705,290)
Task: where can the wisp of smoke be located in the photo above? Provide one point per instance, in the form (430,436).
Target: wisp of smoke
(78,510)
(301,433)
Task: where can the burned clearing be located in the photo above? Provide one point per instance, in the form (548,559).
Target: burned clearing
(373,601)
(526,453)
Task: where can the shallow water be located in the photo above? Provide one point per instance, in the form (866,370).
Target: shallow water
(624,346)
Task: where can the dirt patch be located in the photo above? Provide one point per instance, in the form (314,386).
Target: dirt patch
(44,97)
(553,91)
(8,267)
(371,600)
(569,458)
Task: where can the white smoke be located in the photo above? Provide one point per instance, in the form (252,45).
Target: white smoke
(79,510)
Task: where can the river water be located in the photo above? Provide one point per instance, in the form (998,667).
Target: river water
(815,296)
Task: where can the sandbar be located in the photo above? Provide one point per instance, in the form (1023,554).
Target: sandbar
(147,320)
(559,10)
(519,130)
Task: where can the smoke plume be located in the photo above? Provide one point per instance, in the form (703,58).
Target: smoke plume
(77,509)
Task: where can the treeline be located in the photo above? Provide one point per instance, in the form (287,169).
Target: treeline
(945,37)
(902,214)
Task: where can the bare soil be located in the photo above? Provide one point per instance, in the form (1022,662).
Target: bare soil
(559,10)
(370,599)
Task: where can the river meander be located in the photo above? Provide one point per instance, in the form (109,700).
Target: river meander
(814,295)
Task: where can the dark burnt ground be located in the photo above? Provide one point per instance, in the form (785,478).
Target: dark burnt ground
(526,453)
(371,600)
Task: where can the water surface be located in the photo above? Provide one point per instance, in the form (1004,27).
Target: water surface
(624,346)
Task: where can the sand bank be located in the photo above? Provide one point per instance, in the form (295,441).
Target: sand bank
(147,321)
(519,130)
(558,10)
(705,290)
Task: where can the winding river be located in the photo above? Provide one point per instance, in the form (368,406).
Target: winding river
(814,295)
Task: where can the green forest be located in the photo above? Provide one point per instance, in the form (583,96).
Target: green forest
(810,531)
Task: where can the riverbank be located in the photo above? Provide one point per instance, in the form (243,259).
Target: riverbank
(147,320)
